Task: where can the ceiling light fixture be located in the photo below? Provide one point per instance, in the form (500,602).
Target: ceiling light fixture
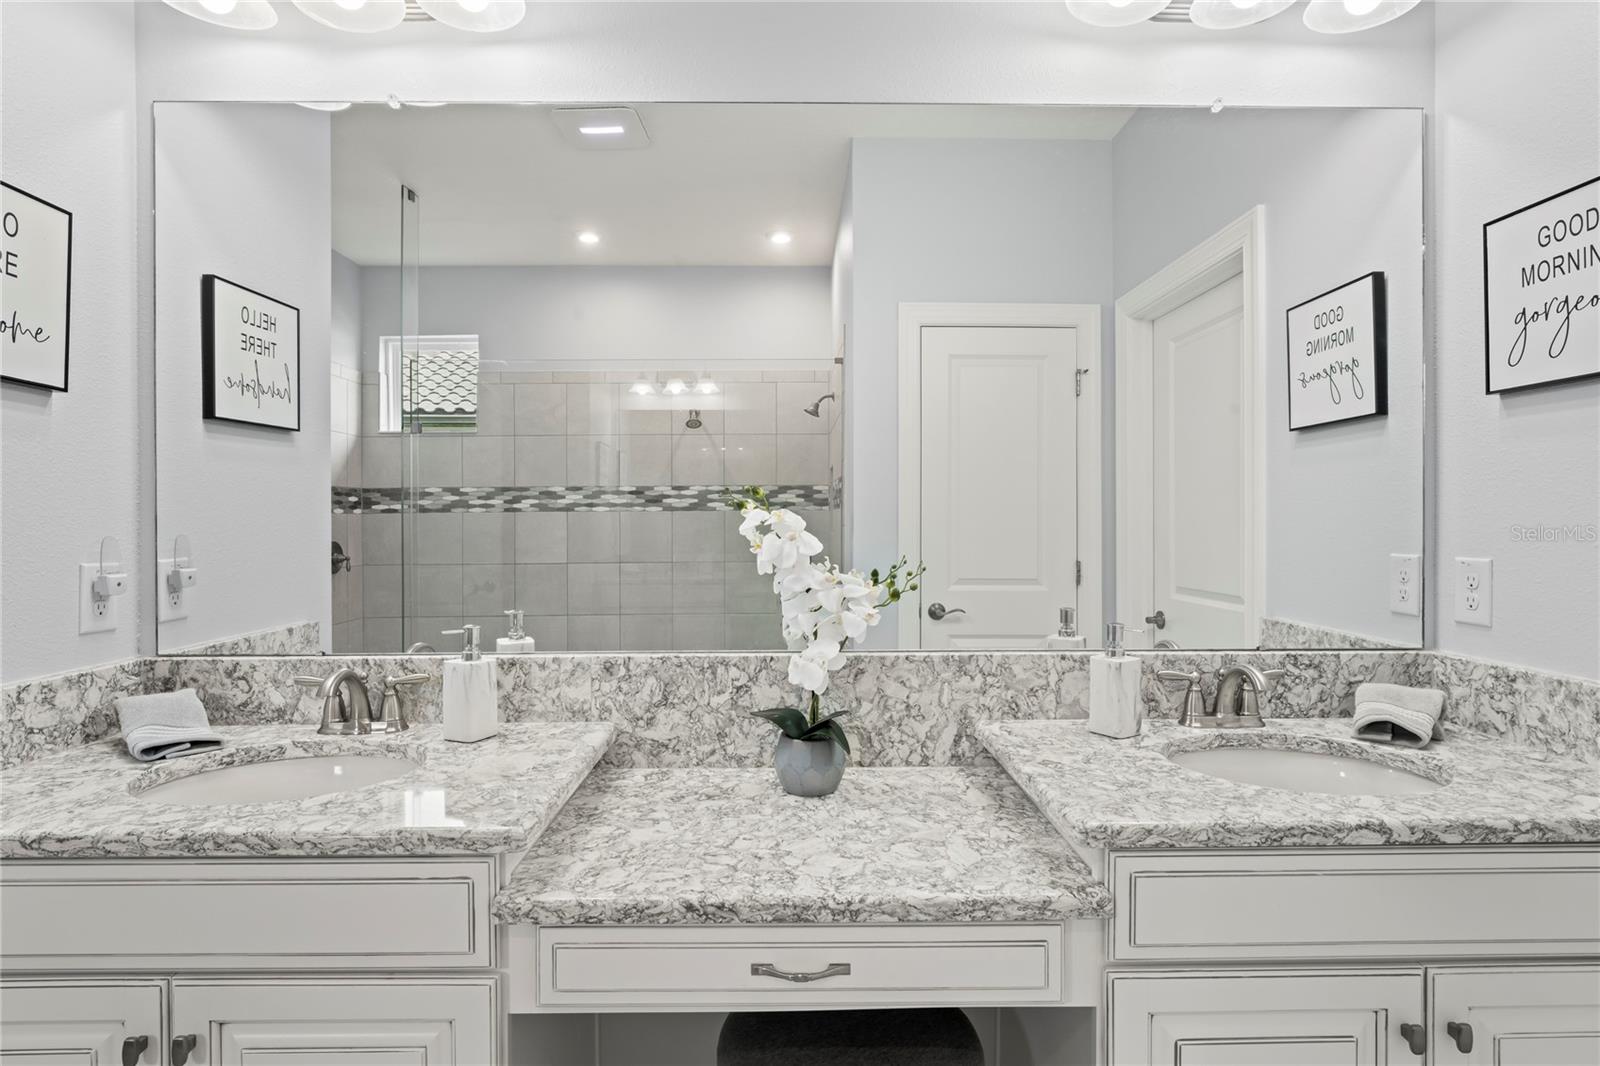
(1351,16)
(674,387)
(324,105)
(780,237)
(705,386)
(588,236)
(234,14)
(643,387)
(602,131)
(1113,13)
(1232,14)
(355,16)
(477,16)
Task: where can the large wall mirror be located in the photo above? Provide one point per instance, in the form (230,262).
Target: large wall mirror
(424,366)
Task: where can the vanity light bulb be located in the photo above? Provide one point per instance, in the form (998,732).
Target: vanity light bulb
(642,388)
(706,387)
(1361,7)
(475,7)
(219,7)
(675,387)
(351,5)
(1244,5)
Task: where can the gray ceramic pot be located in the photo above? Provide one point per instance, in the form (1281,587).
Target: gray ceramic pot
(809,767)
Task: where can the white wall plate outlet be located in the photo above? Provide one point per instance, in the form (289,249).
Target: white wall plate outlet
(1405,584)
(94,617)
(170,606)
(1475,591)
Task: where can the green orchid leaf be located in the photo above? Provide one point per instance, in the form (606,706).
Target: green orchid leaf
(833,730)
(790,720)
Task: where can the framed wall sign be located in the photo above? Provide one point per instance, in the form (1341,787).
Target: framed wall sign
(1338,355)
(1541,291)
(251,355)
(35,289)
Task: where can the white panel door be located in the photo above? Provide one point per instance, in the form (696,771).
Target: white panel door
(999,483)
(1547,1016)
(1255,1018)
(1203,508)
(338,1022)
(96,1023)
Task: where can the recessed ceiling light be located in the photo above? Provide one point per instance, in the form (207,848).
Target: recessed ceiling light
(1232,14)
(1112,13)
(602,131)
(325,105)
(780,237)
(1349,16)
(355,16)
(588,236)
(234,14)
(478,16)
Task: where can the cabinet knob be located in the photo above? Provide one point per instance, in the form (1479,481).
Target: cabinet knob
(132,1048)
(181,1046)
(1461,1033)
(1415,1036)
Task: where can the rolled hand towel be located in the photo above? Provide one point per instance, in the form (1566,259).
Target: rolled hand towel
(1398,714)
(164,725)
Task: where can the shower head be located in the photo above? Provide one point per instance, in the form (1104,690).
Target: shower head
(815,410)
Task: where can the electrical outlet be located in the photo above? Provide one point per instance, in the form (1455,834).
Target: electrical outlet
(171,605)
(1405,584)
(1475,591)
(94,615)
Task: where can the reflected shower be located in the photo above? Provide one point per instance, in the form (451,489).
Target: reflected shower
(815,410)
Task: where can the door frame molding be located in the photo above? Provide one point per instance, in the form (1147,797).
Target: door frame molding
(1085,318)
(1239,248)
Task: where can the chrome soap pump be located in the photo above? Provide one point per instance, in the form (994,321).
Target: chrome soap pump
(1067,637)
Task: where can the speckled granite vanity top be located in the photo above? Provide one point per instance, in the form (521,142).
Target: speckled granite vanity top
(495,795)
(1127,794)
(696,846)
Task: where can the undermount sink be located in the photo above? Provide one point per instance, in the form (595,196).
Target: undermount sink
(279,780)
(1304,771)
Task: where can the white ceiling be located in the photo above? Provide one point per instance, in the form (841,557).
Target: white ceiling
(499,185)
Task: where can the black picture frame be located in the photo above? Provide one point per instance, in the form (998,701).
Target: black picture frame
(1488,372)
(66,338)
(208,355)
(1380,353)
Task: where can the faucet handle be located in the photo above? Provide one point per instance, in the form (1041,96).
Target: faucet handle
(391,682)
(1194,704)
(1274,675)
(307,681)
(1193,677)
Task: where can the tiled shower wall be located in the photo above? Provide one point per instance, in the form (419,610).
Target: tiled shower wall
(596,511)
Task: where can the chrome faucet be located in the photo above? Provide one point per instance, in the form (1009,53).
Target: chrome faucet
(346,706)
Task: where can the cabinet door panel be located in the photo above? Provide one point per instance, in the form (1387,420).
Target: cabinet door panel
(1535,1016)
(339,1022)
(65,1024)
(1246,1018)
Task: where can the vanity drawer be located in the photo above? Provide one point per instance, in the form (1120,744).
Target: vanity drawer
(272,914)
(709,966)
(1368,903)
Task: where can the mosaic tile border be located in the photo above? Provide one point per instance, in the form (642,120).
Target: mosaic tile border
(521,499)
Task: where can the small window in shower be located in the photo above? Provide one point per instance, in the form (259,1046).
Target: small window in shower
(429,386)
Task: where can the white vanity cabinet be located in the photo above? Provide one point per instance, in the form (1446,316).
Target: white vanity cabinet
(66,1023)
(1515,1016)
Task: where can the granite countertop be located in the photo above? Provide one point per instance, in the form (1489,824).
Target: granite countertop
(1126,793)
(697,846)
(493,796)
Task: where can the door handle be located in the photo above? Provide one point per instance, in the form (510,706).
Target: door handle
(181,1046)
(833,969)
(132,1048)
(1159,619)
(1415,1036)
(1461,1033)
(938,611)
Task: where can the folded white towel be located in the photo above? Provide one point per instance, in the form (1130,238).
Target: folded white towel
(164,725)
(1398,714)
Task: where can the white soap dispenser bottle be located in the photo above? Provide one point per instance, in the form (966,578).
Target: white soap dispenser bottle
(471,691)
(1114,705)
(515,642)
(1067,637)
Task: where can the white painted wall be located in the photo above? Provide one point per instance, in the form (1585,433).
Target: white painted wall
(243,192)
(684,314)
(344,342)
(954,222)
(1518,118)
(1342,197)
(69,461)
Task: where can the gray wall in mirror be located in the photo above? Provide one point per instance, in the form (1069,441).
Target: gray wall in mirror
(592,504)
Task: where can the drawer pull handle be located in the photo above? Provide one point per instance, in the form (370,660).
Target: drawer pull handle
(1461,1033)
(766,969)
(132,1048)
(181,1046)
(1415,1036)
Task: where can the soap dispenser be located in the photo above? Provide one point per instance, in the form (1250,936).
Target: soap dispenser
(1067,637)
(515,642)
(471,692)
(1114,705)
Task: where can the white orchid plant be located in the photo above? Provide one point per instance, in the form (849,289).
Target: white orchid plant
(824,608)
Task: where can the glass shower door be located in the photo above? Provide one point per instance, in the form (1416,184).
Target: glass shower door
(410,428)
